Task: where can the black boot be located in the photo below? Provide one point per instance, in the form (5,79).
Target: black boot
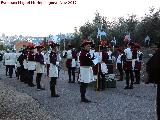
(52,87)
(53,92)
(31,84)
(131,87)
(127,87)
(85,100)
(73,74)
(69,79)
(83,92)
(73,79)
(38,80)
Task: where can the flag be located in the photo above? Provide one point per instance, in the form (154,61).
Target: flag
(127,38)
(101,33)
(114,41)
(147,38)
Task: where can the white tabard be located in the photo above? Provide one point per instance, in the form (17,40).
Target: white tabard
(10,58)
(86,74)
(6,58)
(53,70)
(31,65)
(40,68)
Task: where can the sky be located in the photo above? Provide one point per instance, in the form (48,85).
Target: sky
(44,19)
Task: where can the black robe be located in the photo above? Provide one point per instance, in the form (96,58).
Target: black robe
(153,68)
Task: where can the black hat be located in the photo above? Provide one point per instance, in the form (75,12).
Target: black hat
(39,47)
(131,44)
(53,45)
(86,42)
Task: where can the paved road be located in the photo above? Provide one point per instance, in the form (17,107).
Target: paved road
(111,104)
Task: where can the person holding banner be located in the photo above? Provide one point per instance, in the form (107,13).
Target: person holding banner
(100,69)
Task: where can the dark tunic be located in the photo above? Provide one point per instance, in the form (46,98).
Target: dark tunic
(53,57)
(153,68)
(31,56)
(85,58)
(39,58)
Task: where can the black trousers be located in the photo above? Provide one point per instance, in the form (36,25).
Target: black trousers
(26,76)
(17,72)
(23,74)
(11,67)
(129,75)
(158,101)
(7,69)
(38,80)
(110,67)
(137,75)
(71,72)
(52,85)
(83,87)
(48,65)
(120,69)
(30,76)
(101,81)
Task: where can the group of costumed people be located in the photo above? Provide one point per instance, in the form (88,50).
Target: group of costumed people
(28,61)
(93,63)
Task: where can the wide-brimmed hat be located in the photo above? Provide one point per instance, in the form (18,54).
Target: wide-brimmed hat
(136,45)
(53,44)
(31,46)
(103,43)
(131,44)
(86,42)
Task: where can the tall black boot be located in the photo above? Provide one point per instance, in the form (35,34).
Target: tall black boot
(30,78)
(132,79)
(69,74)
(10,71)
(103,82)
(83,92)
(52,87)
(38,80)
(73,74)
(137,76)
(7,68)
(53,92)
(127,80)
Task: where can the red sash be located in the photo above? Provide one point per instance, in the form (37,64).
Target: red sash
(69,63)
(137,65)
(127,65)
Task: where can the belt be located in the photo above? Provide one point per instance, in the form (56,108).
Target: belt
(129,60)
